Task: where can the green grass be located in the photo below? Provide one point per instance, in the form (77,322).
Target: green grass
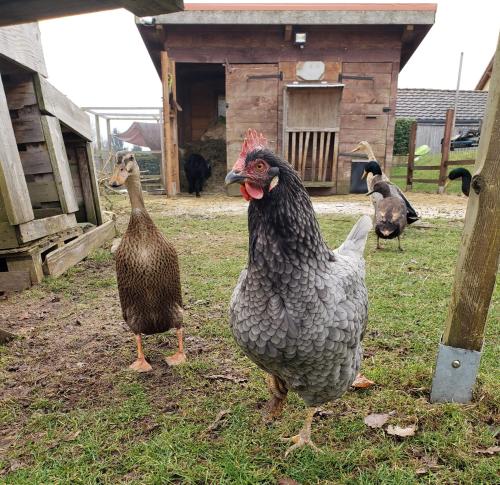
(151,429)
(433,159)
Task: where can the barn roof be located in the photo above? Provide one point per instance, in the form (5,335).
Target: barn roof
(430,105)
(414,19)
(302,14)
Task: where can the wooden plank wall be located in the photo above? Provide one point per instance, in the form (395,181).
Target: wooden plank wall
(15,206)
(251,103)
(35,157)
(265,44)
(362,113)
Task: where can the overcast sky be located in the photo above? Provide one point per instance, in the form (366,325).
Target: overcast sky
(100,59)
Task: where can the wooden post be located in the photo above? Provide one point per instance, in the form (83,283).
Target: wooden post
(167,131)
(98,141)
(445,149)
(477,263)
(108,132)
(411,156)
(162,149)
(173,127)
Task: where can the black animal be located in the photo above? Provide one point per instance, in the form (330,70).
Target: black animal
(197,170)
(463,174)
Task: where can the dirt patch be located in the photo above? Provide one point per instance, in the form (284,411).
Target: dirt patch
(429,206)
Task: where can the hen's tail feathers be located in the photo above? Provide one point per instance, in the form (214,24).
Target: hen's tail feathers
(354,245)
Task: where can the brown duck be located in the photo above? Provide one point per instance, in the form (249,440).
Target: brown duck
(390,214)
(147,270)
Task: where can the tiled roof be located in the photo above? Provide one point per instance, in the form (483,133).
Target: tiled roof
(431,104)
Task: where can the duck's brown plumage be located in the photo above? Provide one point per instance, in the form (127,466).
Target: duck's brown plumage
(147,270)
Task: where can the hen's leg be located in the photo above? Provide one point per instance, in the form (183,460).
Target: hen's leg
(378,243)
(278,391)
(179,357)
(399,244)
(304,436)
(140,365)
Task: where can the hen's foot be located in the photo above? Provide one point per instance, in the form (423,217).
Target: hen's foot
(176,359)
(275,405)
(273,409)
(304,436)
(300,440)
(141,365)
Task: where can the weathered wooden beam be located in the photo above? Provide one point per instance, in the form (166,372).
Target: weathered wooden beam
(8,238)
(53,102)
(173,127)
(29,231)
(14,280)
(14,11)
(58,261)
(13,187)
(59,161)
(167,129)
(477,264)
(21,43)
(94,183)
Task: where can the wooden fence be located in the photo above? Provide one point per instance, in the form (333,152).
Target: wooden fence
(442,168)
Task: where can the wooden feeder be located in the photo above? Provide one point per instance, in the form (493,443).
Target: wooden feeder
(50,214)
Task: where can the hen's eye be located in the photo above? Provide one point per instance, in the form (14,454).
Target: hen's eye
(259,166)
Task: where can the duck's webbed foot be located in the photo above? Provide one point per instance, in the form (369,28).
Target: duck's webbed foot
(278,390)
(304,436)
(179,357)
(141,364)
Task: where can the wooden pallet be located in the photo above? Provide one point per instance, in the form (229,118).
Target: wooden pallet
(22,267)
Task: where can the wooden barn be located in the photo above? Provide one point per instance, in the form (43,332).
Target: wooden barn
(314,78)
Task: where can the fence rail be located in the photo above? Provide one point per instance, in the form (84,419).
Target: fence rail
(444,164)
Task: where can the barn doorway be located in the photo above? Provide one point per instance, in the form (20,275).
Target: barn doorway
(201,94)
(311,125)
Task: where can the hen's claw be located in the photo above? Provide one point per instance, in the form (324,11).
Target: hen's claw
(299,441)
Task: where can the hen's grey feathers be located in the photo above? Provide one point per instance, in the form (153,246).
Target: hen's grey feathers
(299,310)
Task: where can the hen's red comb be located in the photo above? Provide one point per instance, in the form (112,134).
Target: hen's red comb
(253,141)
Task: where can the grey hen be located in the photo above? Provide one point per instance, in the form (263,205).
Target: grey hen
(299,310)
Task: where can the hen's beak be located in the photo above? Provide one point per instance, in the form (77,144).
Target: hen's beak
(233,177)
(365,173)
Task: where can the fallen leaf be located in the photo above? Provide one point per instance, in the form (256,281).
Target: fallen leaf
(401,432)
(377,420)
(72,436)
(492,450)
(422,471)
(227,377)
(287,481)
(361,382)
(217,423)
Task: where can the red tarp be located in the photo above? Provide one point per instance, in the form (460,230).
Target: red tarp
(143,134)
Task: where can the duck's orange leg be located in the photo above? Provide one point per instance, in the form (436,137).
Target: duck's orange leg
(140,365)
(179,357)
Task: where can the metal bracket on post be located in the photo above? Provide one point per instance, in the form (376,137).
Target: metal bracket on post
(455,374)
